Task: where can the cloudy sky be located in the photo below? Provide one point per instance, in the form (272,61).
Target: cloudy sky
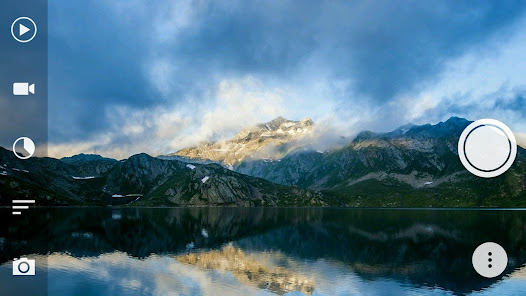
(131,76)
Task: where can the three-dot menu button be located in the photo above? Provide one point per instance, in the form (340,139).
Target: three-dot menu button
(489,260)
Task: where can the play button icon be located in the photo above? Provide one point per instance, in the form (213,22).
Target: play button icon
(23,29)
(27,29)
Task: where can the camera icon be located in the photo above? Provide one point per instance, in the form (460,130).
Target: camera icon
(23,266)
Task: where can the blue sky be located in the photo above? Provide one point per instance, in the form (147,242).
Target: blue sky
(155,76)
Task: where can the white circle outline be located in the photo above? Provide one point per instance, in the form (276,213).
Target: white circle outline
(503,168)
(14,147)
(23,18)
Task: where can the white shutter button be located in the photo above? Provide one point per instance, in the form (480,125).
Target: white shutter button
(487,148)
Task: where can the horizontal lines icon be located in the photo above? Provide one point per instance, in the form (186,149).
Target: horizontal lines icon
(21,207)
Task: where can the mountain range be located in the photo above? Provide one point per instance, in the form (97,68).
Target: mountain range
(268,141)
(274,164)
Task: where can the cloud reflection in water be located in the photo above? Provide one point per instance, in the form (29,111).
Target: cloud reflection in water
(118,274)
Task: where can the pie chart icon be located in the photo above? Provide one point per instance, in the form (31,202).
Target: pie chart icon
(23,148)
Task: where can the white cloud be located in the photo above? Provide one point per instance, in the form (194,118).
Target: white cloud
(59,150)
(175,17)
(475,83)
(233,101)
(235,104)
(238,104)
(161,73)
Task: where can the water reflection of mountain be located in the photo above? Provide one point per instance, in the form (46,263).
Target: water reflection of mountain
(420,247)
(250,271)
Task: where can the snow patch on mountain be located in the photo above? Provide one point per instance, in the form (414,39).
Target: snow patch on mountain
(83,178)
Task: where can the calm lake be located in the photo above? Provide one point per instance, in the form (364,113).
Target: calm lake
(260,251)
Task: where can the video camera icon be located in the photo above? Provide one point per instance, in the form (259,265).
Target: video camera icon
(23,88)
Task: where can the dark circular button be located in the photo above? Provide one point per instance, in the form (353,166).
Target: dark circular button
(23,267)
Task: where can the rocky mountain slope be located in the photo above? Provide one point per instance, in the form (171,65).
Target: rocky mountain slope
(88,165)
(410,166)
(414,154)
(272,165)
(169,182)
(271,140)
(142,180)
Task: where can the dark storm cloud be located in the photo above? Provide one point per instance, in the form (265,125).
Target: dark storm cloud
(518,103)
(384,46)
(98,57)
(94,60)
(393,46)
